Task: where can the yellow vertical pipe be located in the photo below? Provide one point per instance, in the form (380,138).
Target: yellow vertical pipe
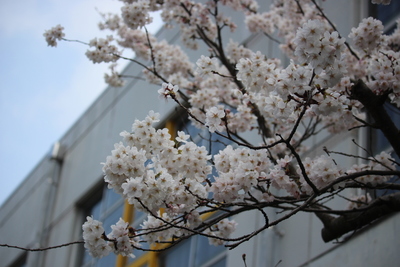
(171,126)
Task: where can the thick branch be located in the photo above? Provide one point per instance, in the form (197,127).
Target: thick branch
(336,227)
(374,106)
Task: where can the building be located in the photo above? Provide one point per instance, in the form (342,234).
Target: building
(67,185)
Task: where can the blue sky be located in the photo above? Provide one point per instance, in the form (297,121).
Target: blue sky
(44,90)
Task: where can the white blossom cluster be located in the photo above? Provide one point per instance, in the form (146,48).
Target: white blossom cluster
(136,14)
(168,90)
(111,22)
(193,219)
(151,172)
(206,65)
(54,34)
(170,61)
(320,48)
(250,5)
(154,223)
(123,163)
(367,35)
(260,22)
(137,40)
(380,162)
(114,79)
(223,229)
(93,235)
(321,171)
(387,72)
(188,22)
(256,72)
(285,17)
(380,60)
(214,117)
(238,171)
(235,51)
(121,240)
(360,201)
(205,102)
(103,50)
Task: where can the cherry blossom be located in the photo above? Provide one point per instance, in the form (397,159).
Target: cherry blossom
(168,90)
(93,234)
(114,79)
(261,113)
(367,35)
(54,34)
(103,50)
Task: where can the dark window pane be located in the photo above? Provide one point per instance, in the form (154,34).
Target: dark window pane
(379,141)
(138,252)
(86,258)
(111,198)
(220,263)
(112,218)
(177,256)
(96,211)
(107,261)
(386,13)
(205,251)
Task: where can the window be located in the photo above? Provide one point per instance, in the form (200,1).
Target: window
(387,14)
(195,252)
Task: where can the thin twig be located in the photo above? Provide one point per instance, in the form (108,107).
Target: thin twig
(43,249)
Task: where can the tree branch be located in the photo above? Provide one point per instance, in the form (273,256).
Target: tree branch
(374,105)
(42,249)
(335,227)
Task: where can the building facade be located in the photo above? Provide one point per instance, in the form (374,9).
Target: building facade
(67,185)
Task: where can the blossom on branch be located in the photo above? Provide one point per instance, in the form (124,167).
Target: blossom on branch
(135,14)
(214,118)
(121,240)
(103,50)
(167,90)
(114,79)
(93,235)
(54,34)
(367,36)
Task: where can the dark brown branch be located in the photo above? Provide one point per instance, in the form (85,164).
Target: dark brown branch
(337,227)
(387,186)
(355,175)
(301,165)
(374,105)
